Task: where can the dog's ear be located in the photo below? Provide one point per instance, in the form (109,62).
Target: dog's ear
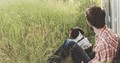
(78,29)
(81,31)
(75,32)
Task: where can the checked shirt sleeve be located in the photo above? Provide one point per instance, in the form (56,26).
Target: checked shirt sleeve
(104,54)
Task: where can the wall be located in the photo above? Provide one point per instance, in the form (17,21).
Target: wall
(112,9)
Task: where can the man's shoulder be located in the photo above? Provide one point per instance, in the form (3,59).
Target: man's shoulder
(100,46)
(111,33)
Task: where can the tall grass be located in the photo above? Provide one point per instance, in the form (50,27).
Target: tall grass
(31,30)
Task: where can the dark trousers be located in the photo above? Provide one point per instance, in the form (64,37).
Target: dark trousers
(70,48)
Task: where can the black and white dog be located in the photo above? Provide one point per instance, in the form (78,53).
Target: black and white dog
(77,35)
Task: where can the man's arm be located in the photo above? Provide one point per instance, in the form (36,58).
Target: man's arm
(104,53)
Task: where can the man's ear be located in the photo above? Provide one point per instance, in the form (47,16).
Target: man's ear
(89,24)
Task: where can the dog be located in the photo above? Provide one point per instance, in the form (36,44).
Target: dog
(77,35)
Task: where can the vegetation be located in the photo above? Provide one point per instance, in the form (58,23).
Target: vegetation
(31,30)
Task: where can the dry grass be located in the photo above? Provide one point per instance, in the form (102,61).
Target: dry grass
(31,30)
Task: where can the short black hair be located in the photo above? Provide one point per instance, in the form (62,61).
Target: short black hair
(75,32)
(96,16)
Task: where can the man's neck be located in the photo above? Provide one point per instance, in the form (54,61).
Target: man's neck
(97,31)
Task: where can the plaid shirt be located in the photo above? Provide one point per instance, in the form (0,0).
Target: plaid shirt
(105,47)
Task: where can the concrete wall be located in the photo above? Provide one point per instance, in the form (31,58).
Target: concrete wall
(112,8)
(115,15)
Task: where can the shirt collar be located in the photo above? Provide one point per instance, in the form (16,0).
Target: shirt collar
(97,35)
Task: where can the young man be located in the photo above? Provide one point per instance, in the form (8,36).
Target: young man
(76,46)
(106,41)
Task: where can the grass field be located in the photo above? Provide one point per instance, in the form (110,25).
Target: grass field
(31,30)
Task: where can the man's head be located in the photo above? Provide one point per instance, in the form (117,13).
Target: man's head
(95,17)
(75,32)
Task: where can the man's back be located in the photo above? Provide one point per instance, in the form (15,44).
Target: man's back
(106,44)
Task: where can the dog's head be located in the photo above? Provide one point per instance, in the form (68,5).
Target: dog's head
(76,32)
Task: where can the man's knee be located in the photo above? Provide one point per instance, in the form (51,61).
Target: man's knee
(69,43)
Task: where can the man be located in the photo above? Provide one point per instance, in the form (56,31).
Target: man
(106,41)
(77,46)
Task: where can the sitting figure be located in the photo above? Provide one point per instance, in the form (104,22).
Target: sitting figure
(77,46)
